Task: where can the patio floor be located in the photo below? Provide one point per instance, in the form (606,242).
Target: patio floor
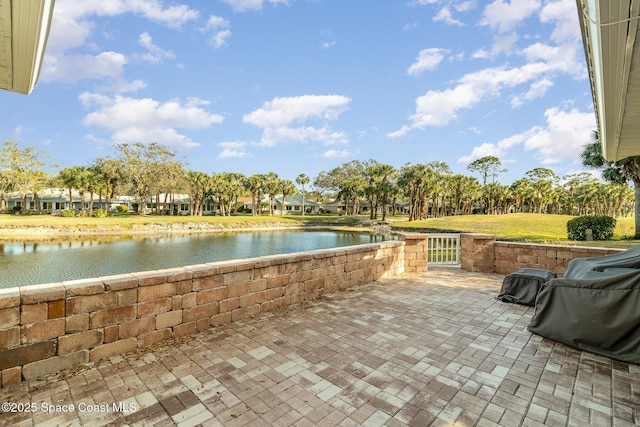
(429,349)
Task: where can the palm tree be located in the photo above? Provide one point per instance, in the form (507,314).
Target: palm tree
(414,179)
(75,177)
(381,178)
(199,184)
(521,190)
(228,187)
(254,183)
(271,186)
(68,178)
(615,172)
(286,188)
(111,170)
(302,179)
(95,183)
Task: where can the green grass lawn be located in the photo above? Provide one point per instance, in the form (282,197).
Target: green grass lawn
(534,228)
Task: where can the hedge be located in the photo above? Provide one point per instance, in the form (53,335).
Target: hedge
(601,227)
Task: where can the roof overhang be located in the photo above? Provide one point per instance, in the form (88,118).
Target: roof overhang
(24,29)
(609,33)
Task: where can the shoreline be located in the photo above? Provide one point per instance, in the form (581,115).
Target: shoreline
(37,233)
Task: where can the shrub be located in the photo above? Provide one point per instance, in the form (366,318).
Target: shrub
(601,227)
(121,209)
(100,213)
(68,213)
(16,209)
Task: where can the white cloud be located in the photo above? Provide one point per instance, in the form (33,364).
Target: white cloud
(427,59)
(147,120)
(220,38)
(562,138)
(283,111)
(73,68)
(445,13)
(445,16)
(504,16)
(21,130)
(482,150)
(214,22)
(174,16)
(564,58)
(245,5)
(440,107)
(220,29)
(537,90)
(72,28)
(498,149)
(410,26)
(329,39)
(302,134)
(423,2)
(465,6)
(277,119)
(155,54)
(563,14)
(327,45)
(336,154)
(233,149)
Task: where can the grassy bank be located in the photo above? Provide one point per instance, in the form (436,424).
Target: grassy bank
(534,228)
(130,221)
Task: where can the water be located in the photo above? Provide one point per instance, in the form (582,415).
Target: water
(31,263)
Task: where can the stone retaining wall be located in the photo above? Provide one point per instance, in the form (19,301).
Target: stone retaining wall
(47,328)
(482,253)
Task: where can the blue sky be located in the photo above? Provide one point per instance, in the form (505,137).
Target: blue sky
(296,86)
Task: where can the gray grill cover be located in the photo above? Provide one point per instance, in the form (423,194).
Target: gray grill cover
(522,286)
(596,308)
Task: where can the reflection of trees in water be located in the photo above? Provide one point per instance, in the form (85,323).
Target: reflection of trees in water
(64,258)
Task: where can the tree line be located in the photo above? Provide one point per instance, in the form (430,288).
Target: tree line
(422,190)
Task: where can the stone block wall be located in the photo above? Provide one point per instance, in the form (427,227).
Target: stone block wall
(47,328)
(415,252)
(482,253)
(510,257)
(477,252)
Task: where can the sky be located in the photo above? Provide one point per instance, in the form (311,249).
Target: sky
(295,86)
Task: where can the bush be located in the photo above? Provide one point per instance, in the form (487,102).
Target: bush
(121,209)
(100,213)
(16,209)
(68,213)
(601,227)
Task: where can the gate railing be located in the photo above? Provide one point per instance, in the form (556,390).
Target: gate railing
(443,249)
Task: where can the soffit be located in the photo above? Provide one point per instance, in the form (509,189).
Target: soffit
(24,28)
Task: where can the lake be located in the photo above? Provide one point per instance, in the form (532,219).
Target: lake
(31,263)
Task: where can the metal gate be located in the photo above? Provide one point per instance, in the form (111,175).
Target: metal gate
(443,249)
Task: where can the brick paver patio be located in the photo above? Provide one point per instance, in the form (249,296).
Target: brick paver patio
(429,349)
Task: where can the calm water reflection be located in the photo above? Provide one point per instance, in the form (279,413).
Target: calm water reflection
(33,263)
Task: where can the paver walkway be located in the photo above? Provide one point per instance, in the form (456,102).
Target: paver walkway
(431,349)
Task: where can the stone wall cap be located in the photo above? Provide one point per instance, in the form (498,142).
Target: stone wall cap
(35,294)
(83,287)
(574,248)
(412,234)
(9,297)
(480,236)
(176,274)
(119,282)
